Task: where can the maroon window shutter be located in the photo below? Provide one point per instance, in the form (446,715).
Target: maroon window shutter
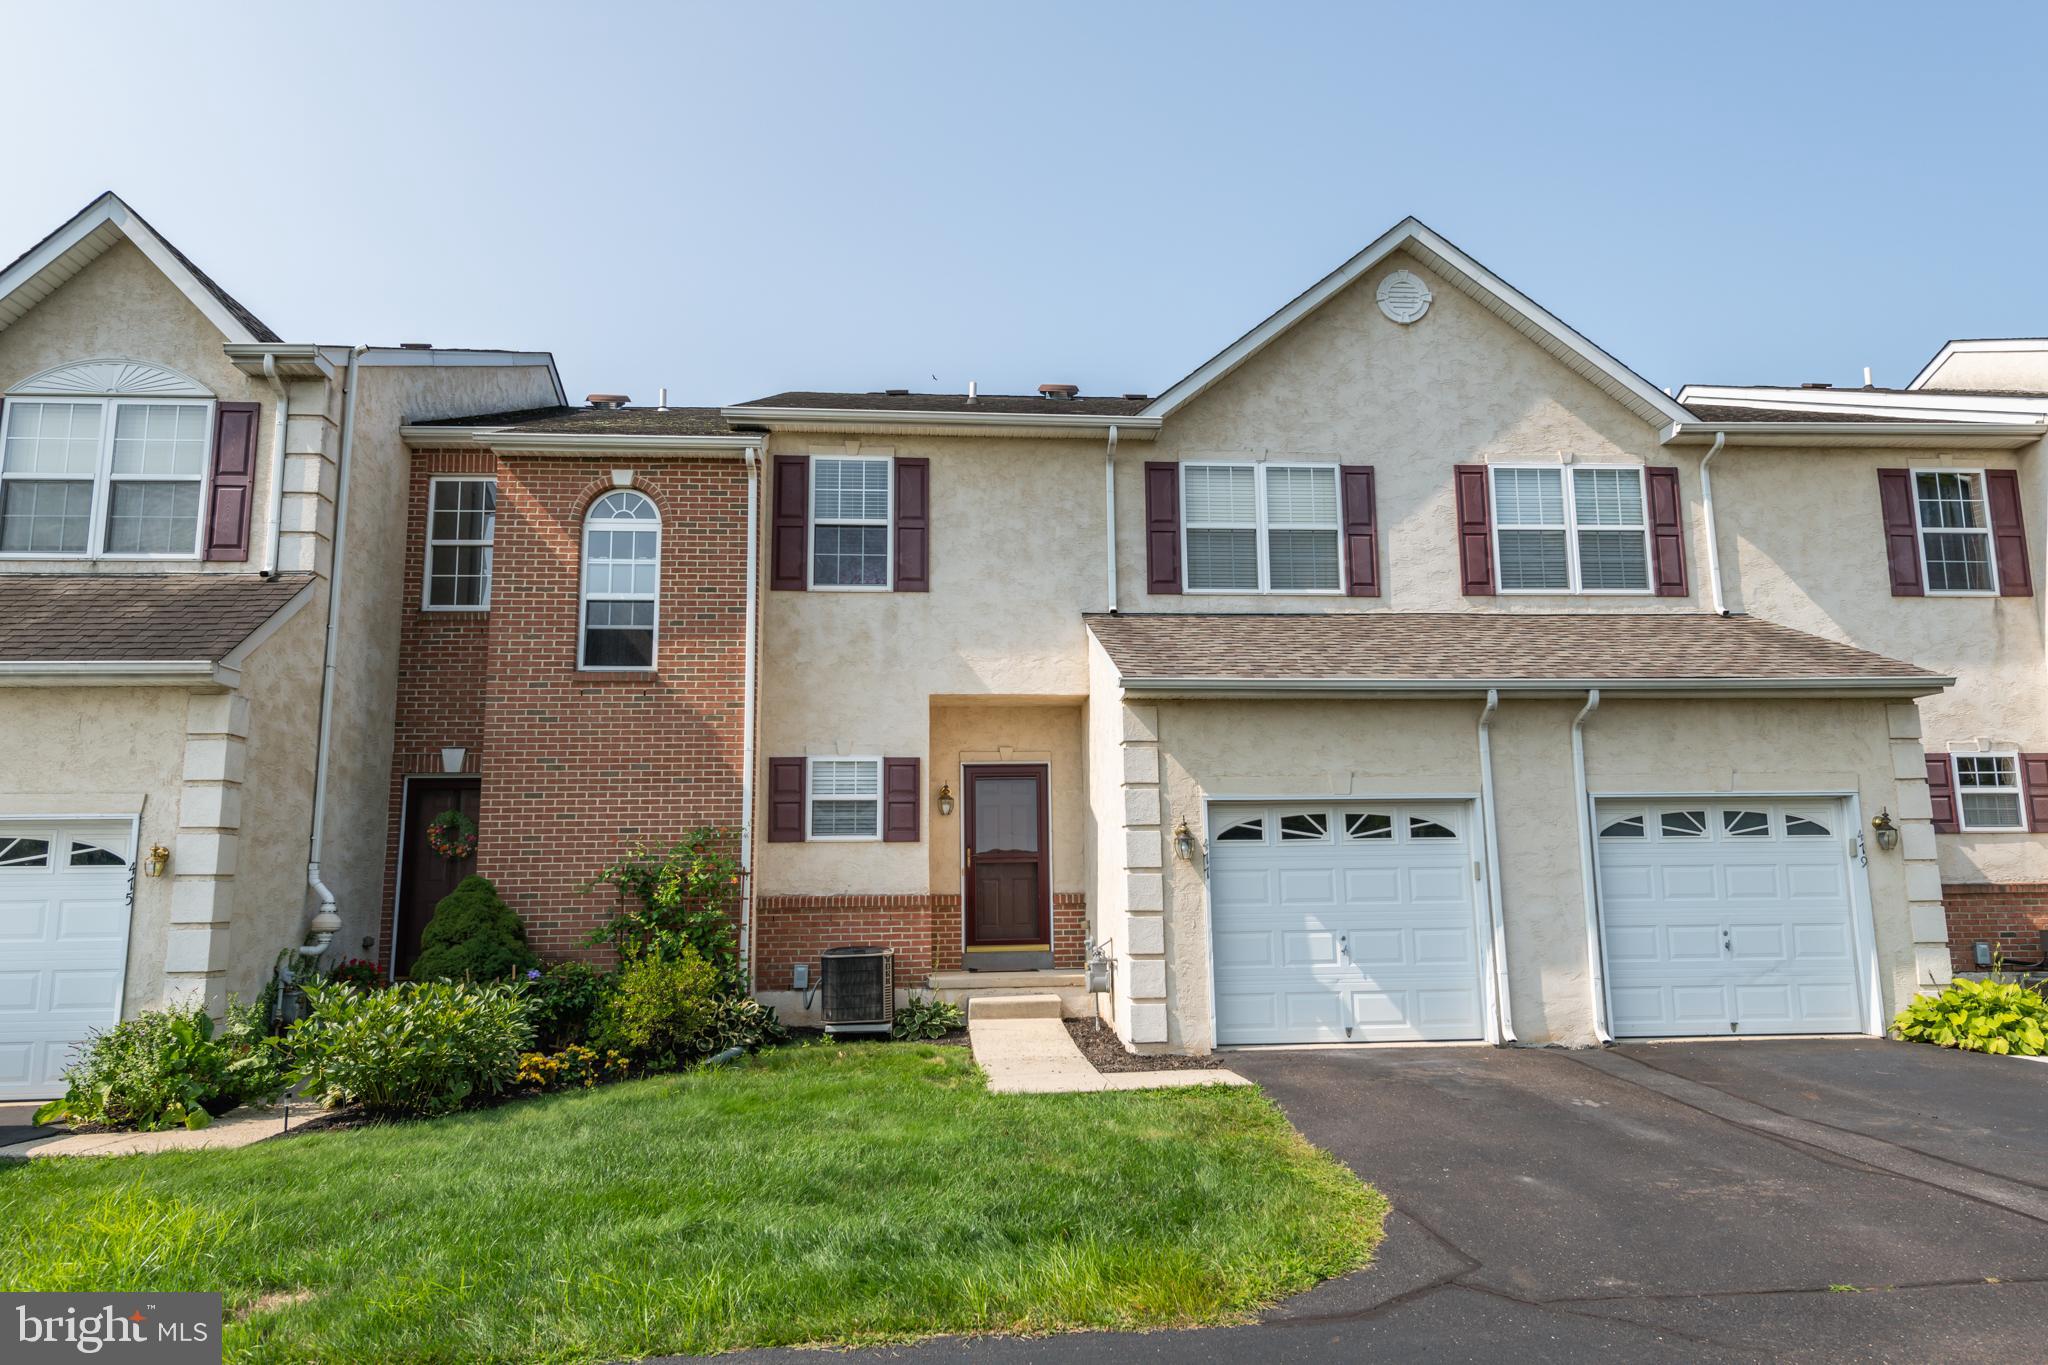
(787,564)
(1667,531)
(2009,533)
(785,800)
(1475,530)
(1941,791)
(1901,532)
(913,525)
(902,799)
(1361,531)
(2034,790)
(234,480)
(1162,526)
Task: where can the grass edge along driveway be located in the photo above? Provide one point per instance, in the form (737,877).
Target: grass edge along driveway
(822,1194)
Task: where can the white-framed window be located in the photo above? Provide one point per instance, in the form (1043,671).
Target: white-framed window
(852,500)
(462,521)
(621,583)
(1988,792)
(1571,528)
(1261,528)
(845,799)
(114,478)
(1955,531)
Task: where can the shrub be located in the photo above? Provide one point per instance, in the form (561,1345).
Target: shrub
(473,936)
(926,1016)
(744,1022)
(683,898)
(660,1012)
(357,972)
(575,1065)
(170,1067)
(560,999)
(420,1048)
(1979,1016)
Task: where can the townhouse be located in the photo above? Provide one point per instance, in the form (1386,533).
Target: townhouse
(1412,670)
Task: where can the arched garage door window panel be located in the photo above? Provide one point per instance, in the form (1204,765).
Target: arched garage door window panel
(621,582)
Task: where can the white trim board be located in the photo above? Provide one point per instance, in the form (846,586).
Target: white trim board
(1510,304)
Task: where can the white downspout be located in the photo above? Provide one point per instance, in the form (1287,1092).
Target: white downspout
(328,921)
(1594,966)
(284,415)
(1713,531)
(753,454)
(1109,503)
(1503,1009)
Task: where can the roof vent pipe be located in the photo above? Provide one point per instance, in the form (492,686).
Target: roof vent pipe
(1866,378)
(973,393)
(661,405)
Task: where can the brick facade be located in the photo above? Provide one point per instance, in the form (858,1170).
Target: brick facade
(2010,916)
(576,766)
(924,930)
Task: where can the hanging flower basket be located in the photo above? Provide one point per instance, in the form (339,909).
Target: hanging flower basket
(452,835)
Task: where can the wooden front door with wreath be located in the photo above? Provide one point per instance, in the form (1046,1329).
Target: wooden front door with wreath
(437,850)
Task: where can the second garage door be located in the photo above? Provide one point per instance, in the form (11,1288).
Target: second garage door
(1729,917)
(1345,923)
(64,894)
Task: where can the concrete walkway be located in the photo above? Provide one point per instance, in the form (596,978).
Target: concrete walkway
(1023,1047)
(237,1129)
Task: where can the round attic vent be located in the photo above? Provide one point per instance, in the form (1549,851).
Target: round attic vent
(1403,297)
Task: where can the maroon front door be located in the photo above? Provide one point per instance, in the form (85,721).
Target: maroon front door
(424,876)
(1009,886)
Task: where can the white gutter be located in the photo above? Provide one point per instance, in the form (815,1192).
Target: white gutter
(1713,535)
(1933,433)
(1595,968)
(1503,1008)
(1466,687)
(1109,503)
(327,921)
(747,715)
(284,414)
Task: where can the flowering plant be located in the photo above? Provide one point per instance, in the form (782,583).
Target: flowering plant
(357,972)
(452,835)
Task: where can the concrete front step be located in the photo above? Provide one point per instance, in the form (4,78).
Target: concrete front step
(1007,1006)
(963,988)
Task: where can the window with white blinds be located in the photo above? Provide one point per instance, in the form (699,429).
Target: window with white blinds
(845,799)
(1571,529)
(1259,528)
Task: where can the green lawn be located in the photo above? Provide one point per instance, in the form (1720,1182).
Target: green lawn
(868,1192)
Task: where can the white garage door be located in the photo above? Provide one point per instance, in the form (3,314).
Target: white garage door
(64,892)
(1728,917)
(1338,923)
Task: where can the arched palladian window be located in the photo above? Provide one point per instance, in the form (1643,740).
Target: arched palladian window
(105,458)
(621,579)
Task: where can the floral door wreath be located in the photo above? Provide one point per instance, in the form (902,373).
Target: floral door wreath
(452,835)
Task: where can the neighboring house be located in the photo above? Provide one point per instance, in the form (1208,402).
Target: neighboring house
(1370,684)
(170,471)
(574,654)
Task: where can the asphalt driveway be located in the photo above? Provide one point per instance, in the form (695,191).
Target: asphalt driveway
(1831,1200)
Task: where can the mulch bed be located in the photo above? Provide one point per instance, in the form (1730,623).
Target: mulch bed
(1106,1052)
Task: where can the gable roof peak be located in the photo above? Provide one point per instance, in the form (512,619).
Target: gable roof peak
(87,235)
(1460,269)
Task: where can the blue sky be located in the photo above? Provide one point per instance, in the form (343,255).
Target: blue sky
(735,199)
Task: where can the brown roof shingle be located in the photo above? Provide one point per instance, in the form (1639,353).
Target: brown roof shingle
(586,421)
(1731,412)
(1003,405)
(100,618)
(1494,646)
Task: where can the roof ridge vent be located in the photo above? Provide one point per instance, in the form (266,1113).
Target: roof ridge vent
(1059,393)
(608,401)
(1817,385)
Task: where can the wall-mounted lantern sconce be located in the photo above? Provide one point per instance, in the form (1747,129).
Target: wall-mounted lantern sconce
(945,798)
(452,759)
(157,861)
(1887,832)
(1183,840)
